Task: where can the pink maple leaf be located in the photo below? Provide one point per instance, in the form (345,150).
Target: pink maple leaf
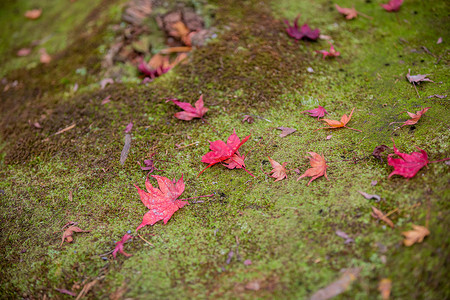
(393,5)
(119,246)
(331,53)
(305,32)
(162,203)
(408,164)
(190,112)
(318,112)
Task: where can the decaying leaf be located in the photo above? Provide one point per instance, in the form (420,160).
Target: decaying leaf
(68,233)
(67,292)
(369,196)
(279,171)
(222,152)
(437,96)
(384,287)
(23,52)
(338,124)
(33,14)
(393,5)
(45,58)
(345,236)
(286,131)
(248,119)
(318,112)
(415,236)
(337,287)
(378,214)
(349,13)
(331,53)
(125,149)
(378,150)
(86,288)
(417,78)
(319,167)
(119,246)
(305,32)
(163,202)
(408,164)
(190,112)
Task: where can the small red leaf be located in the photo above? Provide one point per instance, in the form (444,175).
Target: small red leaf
(318,112)
(393,5)
(119,246)
(190,112)
(305,32)
(408,164)
(331,53)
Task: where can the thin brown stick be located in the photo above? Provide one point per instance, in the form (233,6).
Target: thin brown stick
(416,89)
(145,240)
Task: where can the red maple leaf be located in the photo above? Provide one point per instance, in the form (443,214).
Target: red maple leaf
(331,53)
(305,32)
(224,153)
(408,164)
(349,13)
(319,167)
(393,5)
(190,112)
(119,246)
(316,112)
(161,202)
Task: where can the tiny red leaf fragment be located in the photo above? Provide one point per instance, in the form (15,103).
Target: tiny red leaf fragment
(162,203)
(319,167)
(393,5)
(119,246)
(225,153)
(331,53)
(408,164)
(349,13)
(305,32)
(190,112)
(318,112)
(129,127)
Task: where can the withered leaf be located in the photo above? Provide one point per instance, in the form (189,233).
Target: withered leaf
(319,167)
(286,131)
(279,171)
(378,150)
(369,196)
(384,287)
(378,214)
(345,236)
(248,119)
(339,124)
(415,236)
(417,78)
(337,287)
(68,233)
(33,14)
(125,149)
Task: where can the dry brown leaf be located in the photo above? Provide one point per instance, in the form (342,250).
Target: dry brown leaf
(279,171)
(415,236)
(68,233)
(33,14)
(86,289)
(384,287)
(378,214)
(337,287)
(286,131)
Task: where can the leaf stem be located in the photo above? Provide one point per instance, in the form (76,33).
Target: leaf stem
(242,167)
(353,129)
(435,161)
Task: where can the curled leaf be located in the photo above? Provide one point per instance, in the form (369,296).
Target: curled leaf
(338,124)
(415,236)
(119,246)
(279,171)
(68,234)
(304,32)
(378,214)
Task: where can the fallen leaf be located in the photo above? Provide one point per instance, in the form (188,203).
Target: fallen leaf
(36,125)
(319,167)
(329,137)
(286,131)
(104,82)
(44,58)
(384,287)
(86,289)
(378,150)
(437,96)
(393,5)
(162,203)
(305,31)
(378,214)
(349,13)
(331,53)
(222,152)
(279,171)
(338,124)
(190,112)
(125,149)
(33,14)
(106,100)
(408,164)
(67,292)
(23,52)
(157,66)
(439,40)
(129,127)
(247,262)
(318,112)
(68,233)
(253,285)
(65,129)
(415,236)
(119,246)
(417,78)
(345,236)
(415,117)
(374,183)
(249,119)
(369,196)
(337,287)
(236,161)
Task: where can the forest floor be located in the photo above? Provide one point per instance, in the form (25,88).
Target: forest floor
(255,238)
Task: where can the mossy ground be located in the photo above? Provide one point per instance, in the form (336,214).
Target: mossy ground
(286,228)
